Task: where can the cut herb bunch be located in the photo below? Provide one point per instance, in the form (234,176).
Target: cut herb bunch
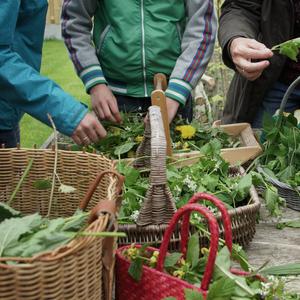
(27,236)
(225,285)
(122,140)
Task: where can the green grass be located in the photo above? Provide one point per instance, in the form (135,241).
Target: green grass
(57,66)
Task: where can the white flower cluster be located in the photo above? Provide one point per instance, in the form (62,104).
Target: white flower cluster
(190,183)
(134,216)
(269,286)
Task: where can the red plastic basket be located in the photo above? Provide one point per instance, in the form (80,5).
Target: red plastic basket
(155,284)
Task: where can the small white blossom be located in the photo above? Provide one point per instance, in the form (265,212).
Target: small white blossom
(191,184)
(134,216)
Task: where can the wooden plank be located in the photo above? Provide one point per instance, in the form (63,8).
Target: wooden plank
(54,11)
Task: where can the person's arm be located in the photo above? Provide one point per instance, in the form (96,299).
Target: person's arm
(197,47)
(23,87)
(77,24)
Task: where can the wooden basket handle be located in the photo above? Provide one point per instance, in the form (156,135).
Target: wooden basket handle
(158,98)
(107,206)
(214,230)
(160,82)
(225,219)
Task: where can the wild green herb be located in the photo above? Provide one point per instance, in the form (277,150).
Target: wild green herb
(26,236)
(289,48)
(32,234)
(123,139)
(210,174)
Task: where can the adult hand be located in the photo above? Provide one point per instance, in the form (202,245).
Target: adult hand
(88,130)
(250,57)
(105,104)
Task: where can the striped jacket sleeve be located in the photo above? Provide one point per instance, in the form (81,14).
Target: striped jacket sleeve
(197,47)
(77,24)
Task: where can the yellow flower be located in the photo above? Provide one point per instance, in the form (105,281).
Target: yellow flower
(139,138)
(187,131)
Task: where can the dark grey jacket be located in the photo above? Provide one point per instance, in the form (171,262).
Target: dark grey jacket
(268,21)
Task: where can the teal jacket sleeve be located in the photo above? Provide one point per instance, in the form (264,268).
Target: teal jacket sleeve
(21,84)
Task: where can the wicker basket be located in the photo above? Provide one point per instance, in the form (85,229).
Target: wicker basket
(153,219)
(82,269)
(290,194)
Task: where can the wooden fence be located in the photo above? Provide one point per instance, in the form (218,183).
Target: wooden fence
(54,11)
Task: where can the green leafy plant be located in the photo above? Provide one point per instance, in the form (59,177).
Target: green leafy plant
(122,140)
(289,48)
(224,286)
(210,174)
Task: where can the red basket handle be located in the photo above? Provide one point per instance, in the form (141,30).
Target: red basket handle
(214,229)
(102,206)
(225,219)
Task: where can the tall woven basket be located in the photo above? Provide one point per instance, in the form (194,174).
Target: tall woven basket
(83,268)
(158,208)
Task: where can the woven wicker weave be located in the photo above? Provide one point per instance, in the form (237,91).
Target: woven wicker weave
(243,218)
(290,194)
(74,271)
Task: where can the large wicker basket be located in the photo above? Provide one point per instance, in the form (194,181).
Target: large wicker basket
(83,268)
(159,208)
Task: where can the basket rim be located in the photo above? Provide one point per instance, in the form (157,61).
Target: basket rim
(278,182)
(253,206)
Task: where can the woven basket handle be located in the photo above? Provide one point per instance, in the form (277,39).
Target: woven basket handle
(158,147)
(214,230)
(102,206)
(225,219)
(287,94)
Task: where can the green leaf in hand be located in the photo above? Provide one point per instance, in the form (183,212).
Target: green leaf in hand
(289,48)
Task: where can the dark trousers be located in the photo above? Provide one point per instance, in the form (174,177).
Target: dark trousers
(10,138)
(132,104)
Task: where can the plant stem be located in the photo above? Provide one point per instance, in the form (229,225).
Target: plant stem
(25,173)
(103,234)
(55,165)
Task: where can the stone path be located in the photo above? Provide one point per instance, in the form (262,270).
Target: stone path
(274,245)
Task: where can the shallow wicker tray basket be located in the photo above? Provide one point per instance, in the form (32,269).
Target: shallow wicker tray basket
(243,218)
(81,269)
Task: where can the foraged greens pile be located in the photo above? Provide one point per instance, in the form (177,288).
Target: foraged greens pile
(211,174)
(225,285)
(26,236)
(123,139)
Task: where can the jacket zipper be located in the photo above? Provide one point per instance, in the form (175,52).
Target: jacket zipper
(143,47)
(102,38)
